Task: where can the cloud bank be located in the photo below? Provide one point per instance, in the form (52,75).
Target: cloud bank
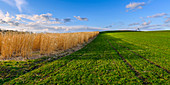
(41,23)
(151,27)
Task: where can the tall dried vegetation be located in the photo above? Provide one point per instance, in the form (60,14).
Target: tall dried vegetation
(23,44)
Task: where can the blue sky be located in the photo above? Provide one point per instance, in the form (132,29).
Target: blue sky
(84,15)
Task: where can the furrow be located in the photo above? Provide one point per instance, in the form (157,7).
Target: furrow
(144,58)
(131,67)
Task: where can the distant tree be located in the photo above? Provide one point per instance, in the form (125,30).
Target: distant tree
(138,29)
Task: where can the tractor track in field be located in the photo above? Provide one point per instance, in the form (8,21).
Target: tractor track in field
(36,67)
(144,58)
(66,64)
(70,60)
(47,60)
(61,65)
(129,65)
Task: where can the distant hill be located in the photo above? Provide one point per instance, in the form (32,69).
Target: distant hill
(121,31)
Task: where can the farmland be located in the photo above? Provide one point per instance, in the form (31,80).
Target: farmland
(111,58)
(14,44)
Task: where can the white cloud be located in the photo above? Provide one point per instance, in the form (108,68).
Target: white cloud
(151,27)
(146,23)
(135,5)
(1,14)
(44,23)
(79,28)
(42,17)
(161,26)
(54,29)
(11,23)
(27,20)
(81,19)
(7,19)
(18,3)
(40,23)
(167,20)
(7,14)
(157,15)
(134,24)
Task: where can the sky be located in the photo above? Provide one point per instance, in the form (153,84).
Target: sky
(60,16)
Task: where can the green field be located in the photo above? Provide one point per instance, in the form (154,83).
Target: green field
(112,58)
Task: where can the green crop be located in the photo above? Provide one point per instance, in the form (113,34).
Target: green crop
(112,58)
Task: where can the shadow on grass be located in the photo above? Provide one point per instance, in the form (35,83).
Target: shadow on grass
(100,47)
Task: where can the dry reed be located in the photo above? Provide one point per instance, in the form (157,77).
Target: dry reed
(23,44)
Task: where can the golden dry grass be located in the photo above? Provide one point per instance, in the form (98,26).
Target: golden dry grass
(23,44)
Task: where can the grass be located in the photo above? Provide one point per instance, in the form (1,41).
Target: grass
(99,63)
